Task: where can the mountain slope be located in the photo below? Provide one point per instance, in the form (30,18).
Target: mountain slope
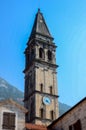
(63,108)
(9,91)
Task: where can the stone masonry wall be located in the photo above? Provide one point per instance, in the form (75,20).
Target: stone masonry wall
(79,112)
(19,119)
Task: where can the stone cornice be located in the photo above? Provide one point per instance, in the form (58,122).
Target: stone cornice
(42,62)
(42,93)
(45,62)
(46,42)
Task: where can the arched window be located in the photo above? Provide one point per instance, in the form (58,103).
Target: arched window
(32,53)
(52,115)
(49,55)
(41,53)
(42,113)
(51,90)
(41,87)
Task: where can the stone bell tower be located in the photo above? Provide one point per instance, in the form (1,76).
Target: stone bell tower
(40,96)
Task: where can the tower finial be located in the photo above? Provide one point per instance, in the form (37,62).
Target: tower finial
(38,9)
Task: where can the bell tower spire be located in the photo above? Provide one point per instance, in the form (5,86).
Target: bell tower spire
(40,26)
(40,96)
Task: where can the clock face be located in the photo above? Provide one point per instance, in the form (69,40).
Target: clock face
(46,100)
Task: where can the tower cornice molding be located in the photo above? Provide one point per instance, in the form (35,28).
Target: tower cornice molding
(42,62)
(46,63)
(41,41)
(42,93)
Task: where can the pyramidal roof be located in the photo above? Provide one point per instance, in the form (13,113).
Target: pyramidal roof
(40,26)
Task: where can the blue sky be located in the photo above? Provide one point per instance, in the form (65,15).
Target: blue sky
(66,20)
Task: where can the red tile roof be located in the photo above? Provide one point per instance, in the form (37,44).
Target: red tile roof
(35,127)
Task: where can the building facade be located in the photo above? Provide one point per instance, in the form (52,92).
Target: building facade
(40,96)
(74,119)
(12,115)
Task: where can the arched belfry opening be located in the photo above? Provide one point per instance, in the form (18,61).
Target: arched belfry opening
(41,53)
(49,55)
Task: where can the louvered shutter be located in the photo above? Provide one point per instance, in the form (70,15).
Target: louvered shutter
(8,121)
